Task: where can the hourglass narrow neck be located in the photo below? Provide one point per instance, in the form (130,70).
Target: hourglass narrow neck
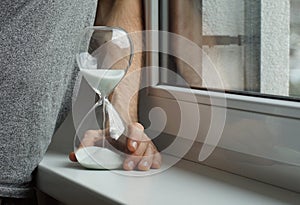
(101,99)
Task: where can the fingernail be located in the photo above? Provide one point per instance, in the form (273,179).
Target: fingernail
(130,164)
(145,164)
(139,126)
(134,144)
(156,164)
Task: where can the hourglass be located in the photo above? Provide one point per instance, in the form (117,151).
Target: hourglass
(104,56)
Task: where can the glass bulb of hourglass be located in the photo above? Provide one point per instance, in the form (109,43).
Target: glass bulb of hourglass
(103,81)
(103,60)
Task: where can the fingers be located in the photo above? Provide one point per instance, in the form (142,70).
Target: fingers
(149,159)
(156,162)
(135,136)
(72,157)
(90,138)
(143,154)
(133,160)
(146,161)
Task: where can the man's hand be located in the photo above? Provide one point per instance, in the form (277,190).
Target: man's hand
(142,153)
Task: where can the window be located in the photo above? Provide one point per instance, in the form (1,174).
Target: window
(249,123)
(252,44)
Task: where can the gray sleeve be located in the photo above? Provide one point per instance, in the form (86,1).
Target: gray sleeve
(38,41)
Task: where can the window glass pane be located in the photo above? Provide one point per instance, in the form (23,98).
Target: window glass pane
(295,48)
(254,45)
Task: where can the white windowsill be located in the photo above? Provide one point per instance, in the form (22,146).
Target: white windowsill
(186,182)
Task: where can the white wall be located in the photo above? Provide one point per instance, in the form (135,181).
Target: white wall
(275,47)
(226,17)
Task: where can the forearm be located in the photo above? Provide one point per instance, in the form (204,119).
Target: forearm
(127,15)
(186,22)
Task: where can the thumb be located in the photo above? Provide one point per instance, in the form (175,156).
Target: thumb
(72,157)
(135,135)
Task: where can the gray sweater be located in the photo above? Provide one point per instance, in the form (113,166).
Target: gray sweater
(38,41)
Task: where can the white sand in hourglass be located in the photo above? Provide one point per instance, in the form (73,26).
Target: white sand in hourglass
(99,158)
(103,80)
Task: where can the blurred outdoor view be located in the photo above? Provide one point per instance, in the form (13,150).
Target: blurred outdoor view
(253,44)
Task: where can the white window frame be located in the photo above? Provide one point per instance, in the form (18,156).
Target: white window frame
(274,159)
